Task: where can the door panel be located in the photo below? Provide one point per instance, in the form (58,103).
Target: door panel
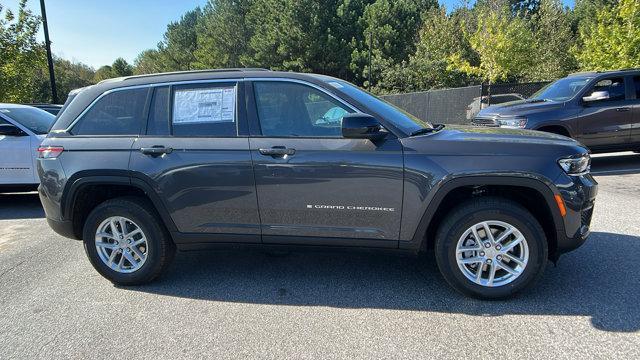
(315,187)
(606,123)
(16,164)
(206,183)
(329,188)
(196,162)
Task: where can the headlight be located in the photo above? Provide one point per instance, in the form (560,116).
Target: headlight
(576,165)
(512,122)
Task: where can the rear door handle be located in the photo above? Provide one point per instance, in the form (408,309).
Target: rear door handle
(622,109)
(277,151)
(156,150)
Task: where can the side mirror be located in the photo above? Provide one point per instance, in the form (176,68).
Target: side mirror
(361,126)
(596,96)
(11,130)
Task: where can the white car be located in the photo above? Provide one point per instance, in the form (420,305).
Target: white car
(22,129)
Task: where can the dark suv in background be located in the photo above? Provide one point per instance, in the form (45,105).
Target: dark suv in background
(138,167)
(599,109)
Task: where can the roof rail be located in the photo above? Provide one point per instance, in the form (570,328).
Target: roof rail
(604,71)
(182,72)
(584,73)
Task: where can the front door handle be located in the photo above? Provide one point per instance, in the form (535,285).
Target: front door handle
(277,151)
(622,109)
(156,150)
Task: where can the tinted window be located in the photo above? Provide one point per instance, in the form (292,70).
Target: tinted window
(117,113)
(636,81)
(291,109)
(205,111)
(36,120)
(614,86)
(158,123)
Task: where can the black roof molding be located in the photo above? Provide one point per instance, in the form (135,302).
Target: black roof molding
(205,71)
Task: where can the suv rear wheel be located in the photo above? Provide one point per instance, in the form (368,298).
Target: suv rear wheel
(490,248)
(125,241)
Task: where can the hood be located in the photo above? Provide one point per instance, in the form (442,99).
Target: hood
(476,140)
(520,107)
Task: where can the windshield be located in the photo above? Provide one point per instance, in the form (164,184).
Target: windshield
(401,119)
(562,90)
(36,120)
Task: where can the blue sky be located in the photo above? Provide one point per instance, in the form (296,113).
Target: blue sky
(96,32)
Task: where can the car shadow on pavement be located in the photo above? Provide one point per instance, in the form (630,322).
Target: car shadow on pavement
(599,281)
(619,164)
(20,206)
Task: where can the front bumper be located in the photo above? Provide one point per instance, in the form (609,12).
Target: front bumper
(579,194)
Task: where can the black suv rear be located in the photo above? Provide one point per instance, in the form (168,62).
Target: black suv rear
(599,109)
(139,167)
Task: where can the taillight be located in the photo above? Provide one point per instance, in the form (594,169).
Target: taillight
(49,152)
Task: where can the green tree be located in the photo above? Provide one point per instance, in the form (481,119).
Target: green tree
(585,12)
(502,43)
(304,35)
(180,43)
(22,57)
(69,75)
(441,36)
(393,26)
(553,39)
(121,67)
(147,62)
(177,49)
(223,34)
(613,40)
(103,73)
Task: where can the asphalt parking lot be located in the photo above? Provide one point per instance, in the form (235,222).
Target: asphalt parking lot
(233,304)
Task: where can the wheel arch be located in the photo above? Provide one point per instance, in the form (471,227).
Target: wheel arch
(527,191)
(80,195)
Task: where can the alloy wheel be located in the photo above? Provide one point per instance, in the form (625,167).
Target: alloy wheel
(121,244)
(492,253)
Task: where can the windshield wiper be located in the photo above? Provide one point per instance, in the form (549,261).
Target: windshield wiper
(427,130)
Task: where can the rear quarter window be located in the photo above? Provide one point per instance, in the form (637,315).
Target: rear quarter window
(117,113)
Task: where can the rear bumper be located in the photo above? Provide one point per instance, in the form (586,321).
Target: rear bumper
(579,196)
(52,210)
(64,228)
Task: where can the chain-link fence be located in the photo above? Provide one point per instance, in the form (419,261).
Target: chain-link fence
(524,90)
(460,105)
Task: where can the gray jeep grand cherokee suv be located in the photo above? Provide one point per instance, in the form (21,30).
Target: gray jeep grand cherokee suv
(138,167)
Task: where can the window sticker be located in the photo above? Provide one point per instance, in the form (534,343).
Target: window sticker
(204,105)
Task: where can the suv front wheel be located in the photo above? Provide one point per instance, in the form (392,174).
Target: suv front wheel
(490,248)
(125,241)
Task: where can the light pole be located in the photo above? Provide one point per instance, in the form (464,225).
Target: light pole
(47,43)
(370,53)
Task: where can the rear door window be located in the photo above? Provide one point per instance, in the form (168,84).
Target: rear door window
(117,113)
(636,82)
(207,111)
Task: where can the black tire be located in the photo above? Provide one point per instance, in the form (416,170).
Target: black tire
(160,250)
(482,209)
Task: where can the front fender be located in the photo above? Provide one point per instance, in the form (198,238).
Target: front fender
(415,232)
